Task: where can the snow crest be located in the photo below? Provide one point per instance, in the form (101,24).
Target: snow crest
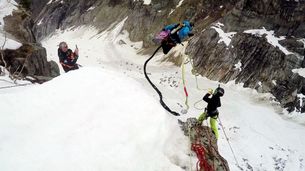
(224,37)
(90,119)
(271,38)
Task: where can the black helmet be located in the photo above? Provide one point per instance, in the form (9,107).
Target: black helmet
(219,91)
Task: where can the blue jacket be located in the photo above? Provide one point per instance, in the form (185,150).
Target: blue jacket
(183,32)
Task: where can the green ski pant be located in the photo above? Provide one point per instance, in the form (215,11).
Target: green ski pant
(213,122)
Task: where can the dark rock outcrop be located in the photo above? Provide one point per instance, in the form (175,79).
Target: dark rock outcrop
(143,20)
(264,66)
(31,58)
(203,135)
(66,14)
(19,25)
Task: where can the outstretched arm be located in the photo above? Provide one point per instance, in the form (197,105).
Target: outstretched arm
(171,27)
(206,98)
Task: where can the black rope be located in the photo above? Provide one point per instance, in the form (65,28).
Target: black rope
(153,85)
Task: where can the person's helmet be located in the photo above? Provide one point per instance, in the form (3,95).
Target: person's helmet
(219,91)
(63,45)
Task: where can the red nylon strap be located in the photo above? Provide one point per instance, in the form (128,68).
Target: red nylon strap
(185,91)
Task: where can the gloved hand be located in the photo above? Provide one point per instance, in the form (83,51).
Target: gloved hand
(210,91)
(76,50)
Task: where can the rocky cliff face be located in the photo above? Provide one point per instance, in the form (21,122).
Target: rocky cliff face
(263,66)
(30,59)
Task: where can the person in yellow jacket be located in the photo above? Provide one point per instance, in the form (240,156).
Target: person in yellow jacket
(211,109)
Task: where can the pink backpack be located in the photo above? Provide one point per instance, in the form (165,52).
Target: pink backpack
(161,36)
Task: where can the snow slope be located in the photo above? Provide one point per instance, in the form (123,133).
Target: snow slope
(300,71)
(224,37)
(261,136)
(91,119)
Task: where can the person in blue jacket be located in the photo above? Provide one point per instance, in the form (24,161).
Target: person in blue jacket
(178,32)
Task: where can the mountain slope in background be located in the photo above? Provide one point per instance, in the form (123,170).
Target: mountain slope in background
(265,66)
(261,139)
(219,51)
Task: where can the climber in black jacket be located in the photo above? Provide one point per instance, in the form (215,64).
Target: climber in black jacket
(211,110)
(67,58)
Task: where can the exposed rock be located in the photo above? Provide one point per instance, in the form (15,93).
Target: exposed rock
(143,20)
(66,14)
(19,25)
(203,135)
(262,63)
(30,60)
(293,45)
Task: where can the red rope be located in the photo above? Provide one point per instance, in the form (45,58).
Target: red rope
(202,162)
(185,91)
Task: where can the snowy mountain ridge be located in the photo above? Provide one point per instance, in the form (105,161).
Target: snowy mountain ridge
(93,126)
(265,59)
(75,119)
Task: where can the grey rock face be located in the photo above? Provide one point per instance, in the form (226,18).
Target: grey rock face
(30,60)
(262,64)
(284,17)
(19,24)
(58,15)
(264,67)
(203,135)
(36,64)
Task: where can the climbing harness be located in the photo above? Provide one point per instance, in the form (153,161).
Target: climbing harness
(154,87)
(228,141)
